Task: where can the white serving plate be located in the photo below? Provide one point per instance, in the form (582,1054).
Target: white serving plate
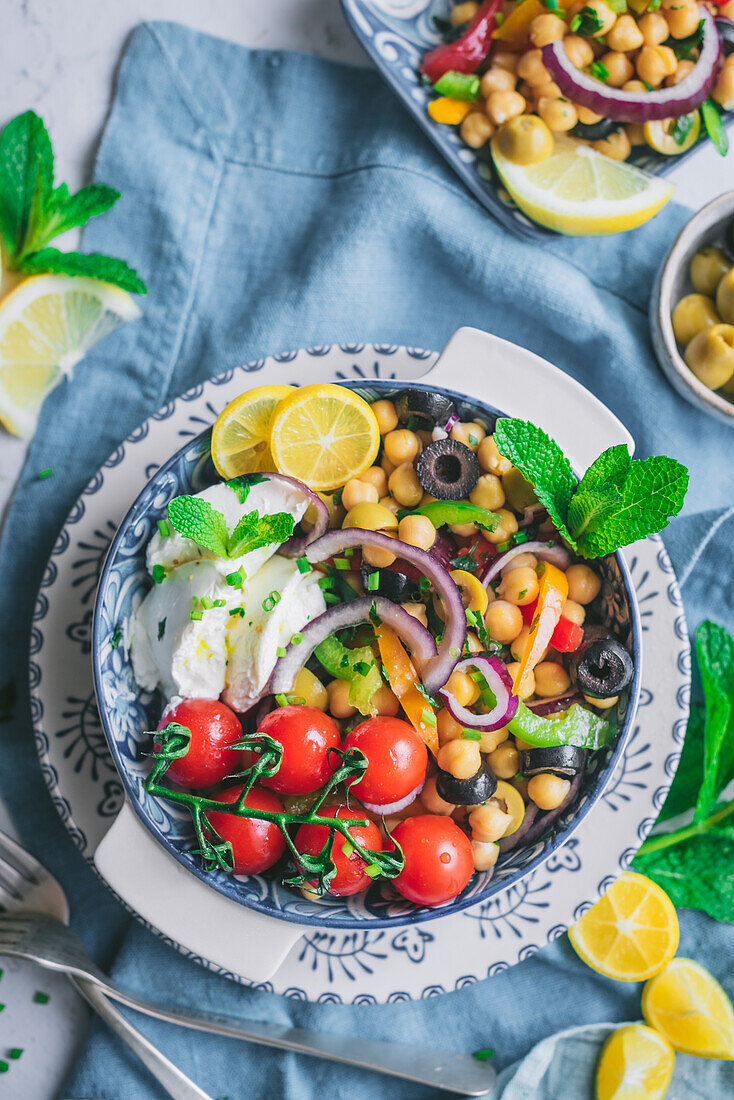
(332,964)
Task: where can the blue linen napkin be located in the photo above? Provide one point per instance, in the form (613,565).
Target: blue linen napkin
(272,201)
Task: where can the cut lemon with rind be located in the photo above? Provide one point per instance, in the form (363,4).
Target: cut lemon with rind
(324,435)
(580,192)
(636,1063)
(241,432)
(688,1006)
(47,325)
(631,933)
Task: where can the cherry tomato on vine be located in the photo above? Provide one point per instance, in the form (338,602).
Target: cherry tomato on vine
(351,876)
(307,735)
(256,844)
(213,727)
(438,859)
(397,759)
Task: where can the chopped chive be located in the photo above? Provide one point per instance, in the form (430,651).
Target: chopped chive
(280,651)
(271,600)
(236,579)
(45,473)
(164,528)
(519,537)
(206,602)
(347,848)
(502,546)
(296,700)
(454,652)
(374,615)
(324,582)
(483,1055)
(162,628)
(196,616)
(116,636)
(373,870)
(331,598)
(4,1067)
(15,1053)
(341,563)
(523,593)
(348,551)
(470,735)
(303,565)
(41,998)
(428,717)
(373,582)
(281,700)
(158,573)
(238,611)
(296,639)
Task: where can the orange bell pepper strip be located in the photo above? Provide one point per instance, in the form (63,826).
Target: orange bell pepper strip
(449,111)
(552,593)
(404,682)
(515,30)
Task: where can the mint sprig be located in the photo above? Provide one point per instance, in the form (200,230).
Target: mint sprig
(33,211)
(195,519)
(618,500)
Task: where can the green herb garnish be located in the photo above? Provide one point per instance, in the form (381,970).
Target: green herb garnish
(470,735)
(116,636)
(195,519)
(241,485)
(714,126)
(586,23)
(483,1055)
(271,600)
(158,573)
(41,998)
(163,528)
(373,582)
(303,565)
(42,474)
(681,128)
(598,70)
(296,639)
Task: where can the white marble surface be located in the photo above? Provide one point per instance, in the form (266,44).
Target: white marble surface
(59,57)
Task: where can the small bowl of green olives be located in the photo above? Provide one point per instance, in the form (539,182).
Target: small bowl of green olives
(692,310)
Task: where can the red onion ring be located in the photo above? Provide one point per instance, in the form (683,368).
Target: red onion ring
(413,633)
(296,544)
(613,103)
(438,667)
(555,706)
(500,684)
(557,555)
(395,807)
(530,513)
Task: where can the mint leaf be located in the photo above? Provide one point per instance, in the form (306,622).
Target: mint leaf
(195,519)
(64,211)
(254,531)
(689,773)
(608,470)
(92,265)
(26,180)
(241,485)
(590,508)
(696,873)
(715,652)
(653,492)
(542,462)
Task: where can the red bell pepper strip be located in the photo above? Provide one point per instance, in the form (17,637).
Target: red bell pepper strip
(552,594)
(467,52)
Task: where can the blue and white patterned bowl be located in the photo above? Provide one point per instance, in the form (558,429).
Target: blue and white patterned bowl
(127,712)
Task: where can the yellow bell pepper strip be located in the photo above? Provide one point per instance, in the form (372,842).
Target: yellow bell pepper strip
(515,30)
(404,681)
(552,593)
(449,111)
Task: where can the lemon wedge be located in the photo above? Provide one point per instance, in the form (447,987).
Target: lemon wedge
(636,1063)
(47,325)
(688,1006)
(241,432)
(580,192)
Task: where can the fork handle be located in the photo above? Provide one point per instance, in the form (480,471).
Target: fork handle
(173,1080)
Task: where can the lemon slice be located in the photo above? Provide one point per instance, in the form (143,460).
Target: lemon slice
(636,1063)
(47,324)
(689,1007)
(323,435)
(631,933)
(581,192)
(241,432)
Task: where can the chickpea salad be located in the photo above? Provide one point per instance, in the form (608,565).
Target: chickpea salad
(380,642)
(525,81)
(703,322)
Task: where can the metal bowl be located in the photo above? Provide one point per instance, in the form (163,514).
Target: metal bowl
(673,282)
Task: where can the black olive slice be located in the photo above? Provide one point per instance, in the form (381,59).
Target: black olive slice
(595,131)
(559,759)
(447,469)
(425,404)
(466,792)
(604,669)
(391,584)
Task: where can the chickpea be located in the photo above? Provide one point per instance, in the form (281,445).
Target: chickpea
(461,758)
(634,86)
(635,132)
(574,612)
(549,91)
(616,145)
(476,130)
(354,580)
(684,69)
(490,459)
(518,561)
(625,35)
(619,68)
(336,513)
(308,687)
(547,28)
(496,80)
(418,611)
(491,740)
(387,418)
(578,51)
(401,446)
(519,586)
(518,490)
(386,465)
(485,855)
(723,91)
(547,790)
(376,477)
(489,822)
(505,59)
(604,14)
(338,694)
(654,63)
(583,584)
(504,761)
(391,504)
(586,116)
(602,704)
(558,115)
(405,486)
(517,646)
(653,28)
(376,556)
(357,492)
(463,530)
(502,106)
(385,702)
(417,531)
(551,679)
(470,434)
(681,16)
(488,493)
(710,355)
(503,530)
(504,621)
(447,727)
(531,69)
(527,684)
(725,297)
(708,268)
(692,315)
(463,688)
(431,799)
(462,13)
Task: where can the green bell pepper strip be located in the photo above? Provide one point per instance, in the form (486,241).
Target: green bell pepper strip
(463,86)
(575,726)
(441,512)
(358,666)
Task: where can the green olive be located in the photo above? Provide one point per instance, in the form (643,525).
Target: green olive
(708,267)
(710,355)
(370,516)
(692,315)
(524,140)
(518,491)
(725,297)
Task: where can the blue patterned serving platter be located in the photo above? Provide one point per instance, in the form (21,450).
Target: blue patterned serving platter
(396,35)
(368,963)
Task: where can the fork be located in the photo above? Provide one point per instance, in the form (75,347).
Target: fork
(45,939)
